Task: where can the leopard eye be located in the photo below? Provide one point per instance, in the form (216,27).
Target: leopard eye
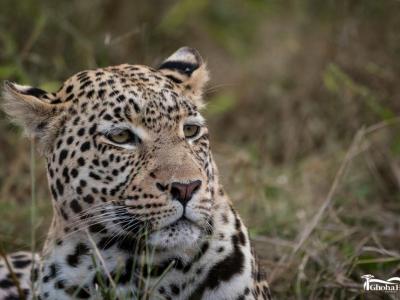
(190,131)
(124,137)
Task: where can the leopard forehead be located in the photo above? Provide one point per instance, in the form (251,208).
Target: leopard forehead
(125,91)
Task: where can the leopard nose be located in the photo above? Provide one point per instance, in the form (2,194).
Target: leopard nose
(183,192)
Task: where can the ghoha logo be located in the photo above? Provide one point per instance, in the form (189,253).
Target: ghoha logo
(389,285)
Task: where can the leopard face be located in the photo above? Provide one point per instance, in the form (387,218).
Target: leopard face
(127,150)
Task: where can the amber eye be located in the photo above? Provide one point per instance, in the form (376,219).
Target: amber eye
(124,137)
(191,131)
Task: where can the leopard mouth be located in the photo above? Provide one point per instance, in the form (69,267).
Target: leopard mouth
(183,233)
(183,219)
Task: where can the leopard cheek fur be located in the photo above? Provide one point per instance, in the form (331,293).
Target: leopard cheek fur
(127,180)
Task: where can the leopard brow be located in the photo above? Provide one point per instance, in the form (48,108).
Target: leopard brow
(198,120)
(110,128)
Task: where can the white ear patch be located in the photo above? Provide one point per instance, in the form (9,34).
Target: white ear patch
(21,88)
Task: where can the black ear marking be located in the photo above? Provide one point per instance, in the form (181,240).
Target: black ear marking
(36,92)
(180,66)
(183,62)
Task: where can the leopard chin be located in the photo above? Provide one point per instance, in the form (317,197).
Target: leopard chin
(183,234)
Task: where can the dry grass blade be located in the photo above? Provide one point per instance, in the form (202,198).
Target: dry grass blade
(160,279)
(14,277)
(339,175)
(98,254)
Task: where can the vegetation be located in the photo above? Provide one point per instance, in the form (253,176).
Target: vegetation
(303,112)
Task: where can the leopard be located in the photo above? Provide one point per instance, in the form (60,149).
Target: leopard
(139,211)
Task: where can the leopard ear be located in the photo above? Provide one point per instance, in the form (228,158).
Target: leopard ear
(31,108)
(187,68)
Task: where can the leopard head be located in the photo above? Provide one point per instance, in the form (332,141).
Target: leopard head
(127,149)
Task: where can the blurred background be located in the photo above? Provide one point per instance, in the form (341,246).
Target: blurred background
(302,108)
